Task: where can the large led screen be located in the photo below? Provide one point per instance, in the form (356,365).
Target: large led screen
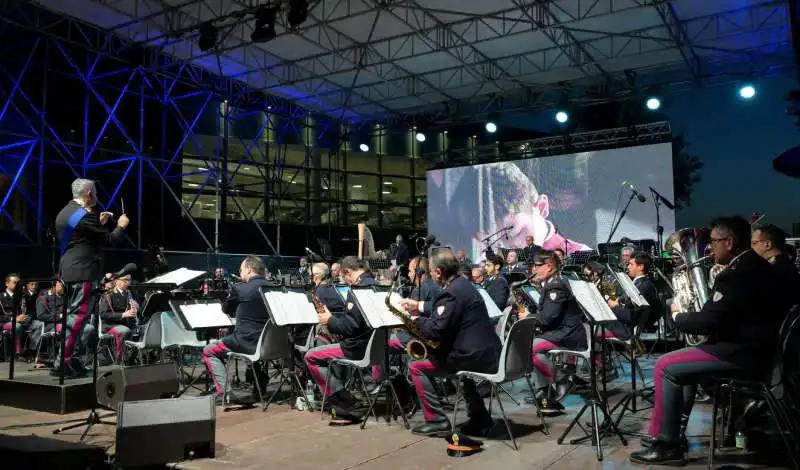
(573,197)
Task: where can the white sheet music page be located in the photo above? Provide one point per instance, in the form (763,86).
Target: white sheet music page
(373,306)
(276,307)
(631,291)
(491,307)
(592,301)
(301,311)
(205,316)
(178,277)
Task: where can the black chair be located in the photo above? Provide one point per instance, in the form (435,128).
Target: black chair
(772,390)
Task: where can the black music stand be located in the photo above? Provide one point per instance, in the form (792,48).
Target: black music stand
(371,303)
(592,303)
(298,311)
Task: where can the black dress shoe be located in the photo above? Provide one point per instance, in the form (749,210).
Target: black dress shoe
(660,453)
(439,429)
(647,441)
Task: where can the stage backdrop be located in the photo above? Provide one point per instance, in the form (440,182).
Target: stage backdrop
(551,198)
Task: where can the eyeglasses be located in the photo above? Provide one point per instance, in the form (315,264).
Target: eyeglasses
(538,265)
(715,240)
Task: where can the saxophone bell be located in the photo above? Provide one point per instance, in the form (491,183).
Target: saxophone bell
(417,350)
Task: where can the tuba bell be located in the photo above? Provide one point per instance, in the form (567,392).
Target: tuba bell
(689,281)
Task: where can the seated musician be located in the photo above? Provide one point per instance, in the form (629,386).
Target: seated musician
(422,297)
(740,346)
(628,315)
(769,242)
(496,285)
(326,294)
(246,303)
(477,274)
(10,307)
(336,273)
(29,295)
(467,341)
(118,311)
(49,308)
(561,322)
(354,333)
(512,265)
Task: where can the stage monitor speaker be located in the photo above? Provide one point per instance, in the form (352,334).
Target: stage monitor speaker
(136,384)
(159,432)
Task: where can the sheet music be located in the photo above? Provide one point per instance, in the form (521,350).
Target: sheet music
(373,306)
(534,294)
(491,307)
(592,301)
(200,316)
(291,308)
(178,277)
(631,291)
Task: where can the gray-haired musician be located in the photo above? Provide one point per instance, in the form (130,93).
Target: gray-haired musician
(769,242)
(118,311)
(246,303)
(739,346)
(326,293)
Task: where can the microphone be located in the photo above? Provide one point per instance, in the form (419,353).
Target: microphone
(127,269)
(640,196)
(313,255)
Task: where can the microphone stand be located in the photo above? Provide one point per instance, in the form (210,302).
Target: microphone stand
(616,223)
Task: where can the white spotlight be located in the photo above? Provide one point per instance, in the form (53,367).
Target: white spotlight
(653,104)
(364,147)
(420,137)
(747,92)
(562,117)
(491,127)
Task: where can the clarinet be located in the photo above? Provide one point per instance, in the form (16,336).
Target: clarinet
(133,306)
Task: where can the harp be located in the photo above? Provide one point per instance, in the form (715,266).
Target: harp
(366,245)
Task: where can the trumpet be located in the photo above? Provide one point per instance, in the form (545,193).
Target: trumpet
(418,349)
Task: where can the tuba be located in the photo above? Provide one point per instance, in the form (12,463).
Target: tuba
(689,282)
(416,348)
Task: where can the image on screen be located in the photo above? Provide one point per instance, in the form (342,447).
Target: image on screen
(566,201)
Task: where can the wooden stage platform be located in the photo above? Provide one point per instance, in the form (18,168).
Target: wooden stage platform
(36,389)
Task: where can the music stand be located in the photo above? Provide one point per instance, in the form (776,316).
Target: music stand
(287,307)
(199,317)
(371,303)
(491,307)
(598,314)
(177,277)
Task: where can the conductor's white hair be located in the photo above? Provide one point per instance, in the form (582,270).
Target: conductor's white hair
(321,270)
(79,187)
(627,249)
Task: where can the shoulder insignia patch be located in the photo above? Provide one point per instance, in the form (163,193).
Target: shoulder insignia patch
(440,310)
(553,295)
(349,305)
(717,296)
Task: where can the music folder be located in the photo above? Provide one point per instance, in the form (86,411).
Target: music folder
(289,307)
(178,277)
(373,306)
(201,315)
(491,307)
(532,293)
(631,291)
(592,302)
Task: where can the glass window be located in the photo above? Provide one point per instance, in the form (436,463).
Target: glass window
(203,206)
(329,213)
(325,185)
(248,179)
(288,211)
(419,191)
(245,208)
(196,175)
(421,217)
(396,190)
(392,165)
(366,213)
(292,155)
(366,162)
(397,217)
(201,145)
(362,187)
(290,182)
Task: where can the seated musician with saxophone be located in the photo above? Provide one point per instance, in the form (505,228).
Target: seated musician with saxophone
(425,291)
(561,322)
(740,346)
(354,333)
(628,315)
(326,295)
(118,311)
(460,324)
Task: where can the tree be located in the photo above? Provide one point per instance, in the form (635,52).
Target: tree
(685,171)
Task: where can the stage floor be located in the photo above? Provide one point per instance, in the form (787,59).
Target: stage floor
(281,437)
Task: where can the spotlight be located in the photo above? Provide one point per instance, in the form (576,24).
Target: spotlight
(298,13)
(653,104)
(491,127)
(420,137)
(747,92)
(364,147)
(208,37)
(264,29)
(562,117)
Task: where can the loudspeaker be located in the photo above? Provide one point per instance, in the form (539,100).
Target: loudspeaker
(43,453)
(158,432)
(122,384)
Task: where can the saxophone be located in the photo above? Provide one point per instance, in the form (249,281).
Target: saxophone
(690,282)
(322,330)
(416,348)
(519,303)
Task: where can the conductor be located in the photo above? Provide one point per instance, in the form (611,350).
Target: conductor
(82,233)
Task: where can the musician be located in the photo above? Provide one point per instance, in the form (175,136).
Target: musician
(496,285)
(460,323)
(118,310)
(82,233)
(740,345)
(561,322)
(769,242)
(49,308)
(625,255)
(628,315)
(531,249)
(336,273)
(303,272)
(425,291)
(352,328)
(561,255)
(9,307)
(477,274)
(29,295)
(461,256)
(326,294)
(247,305)
(512,264)
(398,252)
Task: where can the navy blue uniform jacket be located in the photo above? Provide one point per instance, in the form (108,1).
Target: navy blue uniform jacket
(351,325)
(246,303)
(82,260)
(628,316)
(460,323)
(498,290)
(427,292)
(560,317)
